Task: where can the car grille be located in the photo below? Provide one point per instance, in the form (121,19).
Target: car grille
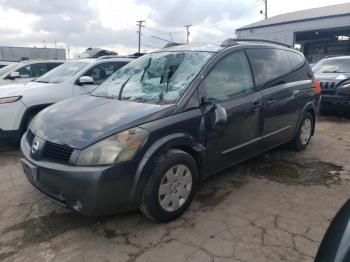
(57,153)
(30,137)
(328,88)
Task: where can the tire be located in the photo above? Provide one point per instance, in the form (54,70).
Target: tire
(177,173)
(304,133)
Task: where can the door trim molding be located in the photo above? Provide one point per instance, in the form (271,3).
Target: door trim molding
(255,140)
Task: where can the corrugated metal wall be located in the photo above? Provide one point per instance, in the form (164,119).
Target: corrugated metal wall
(15,54)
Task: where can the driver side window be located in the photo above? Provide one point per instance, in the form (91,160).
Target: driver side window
(24,72)
(102,71)
(229,78)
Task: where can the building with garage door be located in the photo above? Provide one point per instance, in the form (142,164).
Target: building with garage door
(318,32)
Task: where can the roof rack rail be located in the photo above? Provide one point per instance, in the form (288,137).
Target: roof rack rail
(234,41)
(136,55)
(110,56)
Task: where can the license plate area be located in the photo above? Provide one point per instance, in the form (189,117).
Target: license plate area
(30,171)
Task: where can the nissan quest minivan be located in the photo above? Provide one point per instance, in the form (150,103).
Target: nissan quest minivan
(148,135)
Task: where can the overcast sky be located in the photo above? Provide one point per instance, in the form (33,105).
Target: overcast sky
(112,23)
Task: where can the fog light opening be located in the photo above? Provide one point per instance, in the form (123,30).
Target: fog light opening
(77,205)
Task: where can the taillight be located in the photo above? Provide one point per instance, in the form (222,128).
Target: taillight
(317,86)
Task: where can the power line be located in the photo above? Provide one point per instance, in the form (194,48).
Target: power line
(239,12)
(162,39)
(161,32)
(226,35)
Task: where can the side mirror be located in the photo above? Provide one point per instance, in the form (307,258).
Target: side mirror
(220,116)
(335,245)
(86,80)
(218,113)
(14,75)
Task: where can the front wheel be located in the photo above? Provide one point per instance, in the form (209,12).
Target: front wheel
(304,133)
(170,187)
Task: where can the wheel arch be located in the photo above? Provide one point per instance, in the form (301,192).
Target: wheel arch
(308,108)
(33,110)
(180,141)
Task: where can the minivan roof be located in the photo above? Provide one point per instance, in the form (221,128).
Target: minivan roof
(218,47)
(92,60)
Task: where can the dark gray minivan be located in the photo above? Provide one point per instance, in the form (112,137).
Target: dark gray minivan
(147,136)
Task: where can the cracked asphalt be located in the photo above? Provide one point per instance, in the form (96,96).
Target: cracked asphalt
(275,207)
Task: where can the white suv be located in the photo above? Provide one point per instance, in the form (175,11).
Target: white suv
(19,103)
(23,72)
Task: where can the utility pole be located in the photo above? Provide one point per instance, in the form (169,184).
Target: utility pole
(265,1)
(68,51)
(139,24)
(187,32)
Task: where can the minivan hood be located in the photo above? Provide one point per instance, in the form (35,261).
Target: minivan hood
(82,121)
(19,89)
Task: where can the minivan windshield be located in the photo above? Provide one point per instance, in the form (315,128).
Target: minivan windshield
(7,69)
(157,78)
(62,72)
(332,66)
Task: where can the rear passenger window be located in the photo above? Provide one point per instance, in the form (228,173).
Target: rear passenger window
(229,78)
(297,60)
(32,71)
(268,64)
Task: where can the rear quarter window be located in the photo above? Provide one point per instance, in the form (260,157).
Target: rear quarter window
(297,60)
(268,64)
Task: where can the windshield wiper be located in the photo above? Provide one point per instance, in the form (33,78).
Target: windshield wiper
(40,81)
(105,96)
(331,71)
(122,87)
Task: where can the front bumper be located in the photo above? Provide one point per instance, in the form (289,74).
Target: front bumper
(92,191)
(9,134)
(335,100)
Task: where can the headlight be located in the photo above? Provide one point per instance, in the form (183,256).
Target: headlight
(12,99)
(347,86)
(115,149)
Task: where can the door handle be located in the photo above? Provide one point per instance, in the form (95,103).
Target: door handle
(271,101)
(256,105)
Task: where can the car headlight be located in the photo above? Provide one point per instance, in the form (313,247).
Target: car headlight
(114,149)
(7,100)
(346,86)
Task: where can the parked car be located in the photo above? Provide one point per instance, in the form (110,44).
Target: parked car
(19,103)
(334,76)
(335,246)
(5,63)
(23,72)
(147,136)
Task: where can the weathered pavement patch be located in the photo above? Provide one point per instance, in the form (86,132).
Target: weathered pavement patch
(274,207)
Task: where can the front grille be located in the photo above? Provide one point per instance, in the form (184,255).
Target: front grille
(328,88)
(30,137)
(57,153)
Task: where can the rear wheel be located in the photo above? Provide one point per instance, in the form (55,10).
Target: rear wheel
(170,187)
(303,136)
